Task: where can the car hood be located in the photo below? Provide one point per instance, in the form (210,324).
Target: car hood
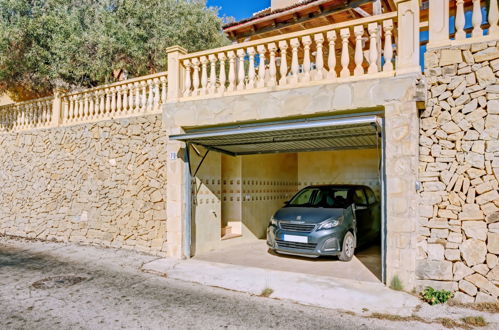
(307,214)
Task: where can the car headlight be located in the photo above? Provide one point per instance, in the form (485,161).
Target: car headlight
(273,221)
(330,223)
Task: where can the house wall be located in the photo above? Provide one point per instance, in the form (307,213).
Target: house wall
(101,183)
(343,166)
(458,242)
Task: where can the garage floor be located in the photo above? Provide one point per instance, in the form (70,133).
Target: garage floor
(365,266)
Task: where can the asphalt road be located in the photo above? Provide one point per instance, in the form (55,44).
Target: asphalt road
(38,291)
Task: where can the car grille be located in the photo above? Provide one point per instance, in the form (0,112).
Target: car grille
(302,227)
(296,245)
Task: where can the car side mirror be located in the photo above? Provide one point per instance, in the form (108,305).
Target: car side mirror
(286,202)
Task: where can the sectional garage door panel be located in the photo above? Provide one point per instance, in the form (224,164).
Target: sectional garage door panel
(327,134)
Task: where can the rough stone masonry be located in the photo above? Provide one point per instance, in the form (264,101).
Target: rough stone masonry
(458,239)
(99,183)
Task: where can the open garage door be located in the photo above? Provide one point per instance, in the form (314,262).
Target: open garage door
(290,136)
(297,144)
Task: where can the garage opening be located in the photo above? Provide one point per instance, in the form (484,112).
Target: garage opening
(241,175)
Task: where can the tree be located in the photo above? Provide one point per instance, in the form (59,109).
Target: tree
(77,44)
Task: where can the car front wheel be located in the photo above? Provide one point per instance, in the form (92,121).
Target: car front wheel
(348,247)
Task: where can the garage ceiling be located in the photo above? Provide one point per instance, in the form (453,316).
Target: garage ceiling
(358,132)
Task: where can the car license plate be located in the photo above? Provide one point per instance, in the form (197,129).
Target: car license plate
(295,238)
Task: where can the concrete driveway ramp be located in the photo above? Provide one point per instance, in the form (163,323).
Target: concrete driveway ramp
(322,291)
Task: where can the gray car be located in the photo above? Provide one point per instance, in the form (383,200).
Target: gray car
(327,220)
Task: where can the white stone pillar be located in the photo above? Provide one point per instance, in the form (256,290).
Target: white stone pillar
(408,37)
(175,72)
(438,23)
(56,108)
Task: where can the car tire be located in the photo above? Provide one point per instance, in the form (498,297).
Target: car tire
(348,248)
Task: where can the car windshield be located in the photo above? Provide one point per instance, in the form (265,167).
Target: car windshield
(332,197)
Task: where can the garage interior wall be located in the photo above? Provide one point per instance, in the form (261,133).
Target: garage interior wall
(241,193)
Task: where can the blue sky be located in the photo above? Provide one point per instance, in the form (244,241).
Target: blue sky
(239,9)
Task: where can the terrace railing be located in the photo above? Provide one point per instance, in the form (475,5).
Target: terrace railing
(439,24)
(372,47)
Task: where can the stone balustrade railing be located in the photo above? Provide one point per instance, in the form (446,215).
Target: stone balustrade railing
(439,29)
(137,96)
(26,115)
(133,97)
(289,60)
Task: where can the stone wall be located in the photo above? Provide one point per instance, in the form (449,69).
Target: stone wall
(100,183)
(458,242)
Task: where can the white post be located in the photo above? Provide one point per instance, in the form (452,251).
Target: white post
(331,58)
(345,56)
(460,20)
(251,70)
(388,51)
(319,57)
(56,108)
(272,66)
(307,41)
(261,66)
(283,70)
(358,57)
(476,19)
(438,21)
(373,47)
(295,43)
(175,72)
(408,36)
(493,19)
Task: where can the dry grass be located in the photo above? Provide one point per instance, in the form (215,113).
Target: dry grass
(450,323)
(393,317)
(490,307)
(465,323)
(476,321)
(266,292)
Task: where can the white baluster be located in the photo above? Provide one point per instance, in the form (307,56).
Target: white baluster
(212,86)
(102,102)
(240,69)
(195,77)
(71,112)
(157,93)
(151,92)
(164,91)
(388,51)
(80,106)
(460,20)
(295,67)
(113,99)
(319,56)
(251,69)
(476,19)
(119,99)
(359,57)
(283,70)
(187,79)
(307,41)
(493,18)
(331,59)
(345,56)
(143,103)
(222,78)
(232,71)
(261,65)
(272,65)
(373,47)
(126,98)
(204,75)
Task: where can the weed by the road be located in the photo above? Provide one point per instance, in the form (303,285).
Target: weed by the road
(490,307)
(396,284)
(450,323)
(266,292)
(433,297)
(476,321)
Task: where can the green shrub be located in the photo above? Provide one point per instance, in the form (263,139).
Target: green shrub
(433,297)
